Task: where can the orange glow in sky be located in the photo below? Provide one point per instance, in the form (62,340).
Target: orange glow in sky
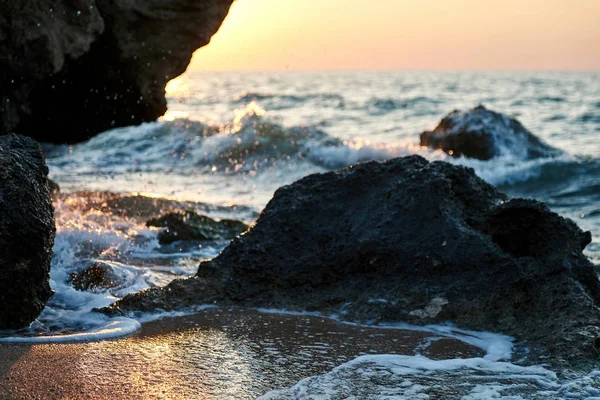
(405,34)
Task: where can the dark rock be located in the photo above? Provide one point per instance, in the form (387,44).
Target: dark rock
(141,208)
(412,241)
(70,69)
(191,226)
(99,275)
(26,231)
(483,134)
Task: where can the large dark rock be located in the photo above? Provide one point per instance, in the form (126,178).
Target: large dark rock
(483,134)
(70,69)
(26,231)
(191,226)
(413,241)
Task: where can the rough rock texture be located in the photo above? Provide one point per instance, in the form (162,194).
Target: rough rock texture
(191,226)
(483,134)
(99,275)
(413,241)
(26,231)
(37,38)
(70,69)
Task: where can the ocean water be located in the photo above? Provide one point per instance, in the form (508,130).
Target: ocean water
(229,140)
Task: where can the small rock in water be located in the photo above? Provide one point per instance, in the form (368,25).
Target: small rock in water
(191,226)
(483,134)
(98,275)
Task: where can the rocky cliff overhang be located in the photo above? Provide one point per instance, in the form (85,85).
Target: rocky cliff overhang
(70,69)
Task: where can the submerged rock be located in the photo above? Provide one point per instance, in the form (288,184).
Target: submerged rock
(141,208)
(26,231)
(483,134)
(191,226)
(106,62)
(411,241)
(99,275)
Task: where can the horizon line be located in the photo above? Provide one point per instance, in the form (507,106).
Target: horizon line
(308,70)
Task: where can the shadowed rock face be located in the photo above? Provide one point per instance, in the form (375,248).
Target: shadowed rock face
(413,241)
(483,134)
(70,69)
(26,231)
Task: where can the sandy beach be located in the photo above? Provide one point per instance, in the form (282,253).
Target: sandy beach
(213,354)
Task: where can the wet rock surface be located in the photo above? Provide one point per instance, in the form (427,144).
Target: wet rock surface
(412,241)
(26,231)
(108,62)
(191,226)
(98,275)
(143,208)
(483,134)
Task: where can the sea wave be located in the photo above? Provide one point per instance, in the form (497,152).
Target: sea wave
(254,146)
(249,144)
(88,233)
(589,117)
(385,376)
(551,99)
(281,101)
(379,105)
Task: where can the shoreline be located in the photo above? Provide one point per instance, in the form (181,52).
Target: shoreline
(215,353)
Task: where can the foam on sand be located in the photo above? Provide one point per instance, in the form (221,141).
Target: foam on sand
(113,328)
(389,376)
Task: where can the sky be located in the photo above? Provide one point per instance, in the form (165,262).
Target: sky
(267,35)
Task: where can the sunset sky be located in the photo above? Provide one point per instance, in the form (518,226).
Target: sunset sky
(406,34)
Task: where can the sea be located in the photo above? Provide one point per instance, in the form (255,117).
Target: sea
(230,139)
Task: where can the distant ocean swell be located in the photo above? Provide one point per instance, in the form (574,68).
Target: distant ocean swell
(252,143)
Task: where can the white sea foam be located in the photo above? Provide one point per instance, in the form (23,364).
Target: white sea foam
(129,251)
(412,377)
(108,328)
(144,317)
(509,169)
(386,376)
(497,346)
(418,377)
(389,376)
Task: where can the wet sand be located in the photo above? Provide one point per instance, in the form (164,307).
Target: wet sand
(215,354)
